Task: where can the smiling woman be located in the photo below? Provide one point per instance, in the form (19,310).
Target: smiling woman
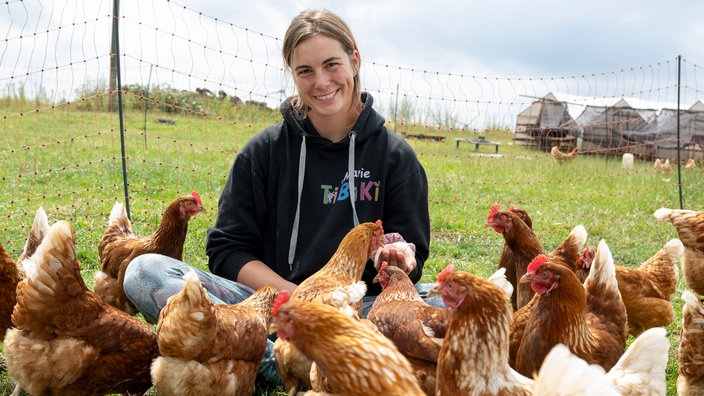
(298,187)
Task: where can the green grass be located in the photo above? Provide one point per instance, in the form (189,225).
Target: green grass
(68,159)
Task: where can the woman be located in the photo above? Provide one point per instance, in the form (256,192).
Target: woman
(298,187)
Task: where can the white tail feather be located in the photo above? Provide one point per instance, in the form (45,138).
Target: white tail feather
(499,279)
(674,248)
(642,366)
(603,269)
(563,373)
(118,211)
(663,214)
(580,234)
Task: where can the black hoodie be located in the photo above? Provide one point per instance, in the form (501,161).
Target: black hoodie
(260,199)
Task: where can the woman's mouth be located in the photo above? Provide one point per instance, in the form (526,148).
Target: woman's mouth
(326,97)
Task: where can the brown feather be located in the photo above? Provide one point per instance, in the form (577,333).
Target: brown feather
(120,245)
(355,359)
(344,268)
(209,348)
(67,340)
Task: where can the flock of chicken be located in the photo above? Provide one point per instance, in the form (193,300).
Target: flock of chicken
(546,323)
(661,165)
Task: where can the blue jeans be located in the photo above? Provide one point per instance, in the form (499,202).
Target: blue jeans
(151,279)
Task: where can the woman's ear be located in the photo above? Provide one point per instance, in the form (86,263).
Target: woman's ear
(355,60)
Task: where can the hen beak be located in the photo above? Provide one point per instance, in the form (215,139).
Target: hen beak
(435,291)
(376,279)
(273,329)
(527,277)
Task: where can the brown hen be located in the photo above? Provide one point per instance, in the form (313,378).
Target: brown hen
(405,318)
(647,291)
(474,357)
(11,272)
(568,252)
(120,245)
(355,359)
(207,348)
(521,245)
(590,319)
(344,268)
(690,228)
(690,381)
(9,277)
(67,340)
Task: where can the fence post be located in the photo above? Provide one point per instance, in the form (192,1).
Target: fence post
(115,66)
(679,170)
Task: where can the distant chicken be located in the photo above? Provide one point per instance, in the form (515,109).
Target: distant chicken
(207,348)
(691,164)
(690,381)
(647,291)
(355,359)
(589,319)
(416,327)
(68,341)
(658,164)
(344,269)
(120,245)
(690,228)
(562,158)
(639,372)
(662,165)
(521,245)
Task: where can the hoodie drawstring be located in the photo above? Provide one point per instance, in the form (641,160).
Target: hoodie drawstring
(297,217)
(301,173)
(350,171)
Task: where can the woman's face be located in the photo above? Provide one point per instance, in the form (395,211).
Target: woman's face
(323,73)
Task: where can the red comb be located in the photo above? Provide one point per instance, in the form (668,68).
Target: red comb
(378,222)
(197,198)
(494,209)
(511,208)
(384,265)
(537,262)
(448,270)
(281,299)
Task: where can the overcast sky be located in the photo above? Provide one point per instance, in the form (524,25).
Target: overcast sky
(501,37)
(604,50)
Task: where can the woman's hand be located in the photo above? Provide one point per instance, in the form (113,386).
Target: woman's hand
(397,252)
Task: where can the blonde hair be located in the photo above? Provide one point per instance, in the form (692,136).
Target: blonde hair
(309,23)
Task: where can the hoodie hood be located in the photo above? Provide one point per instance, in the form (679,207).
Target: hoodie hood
(367,123)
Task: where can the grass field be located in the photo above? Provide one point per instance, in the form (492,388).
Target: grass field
(68,159)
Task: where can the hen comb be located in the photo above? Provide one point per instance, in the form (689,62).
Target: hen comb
(511,208)
(378,222)
(537,262)
(281,299)
(196,197)
(384,265)
(447,270)
(494,209)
